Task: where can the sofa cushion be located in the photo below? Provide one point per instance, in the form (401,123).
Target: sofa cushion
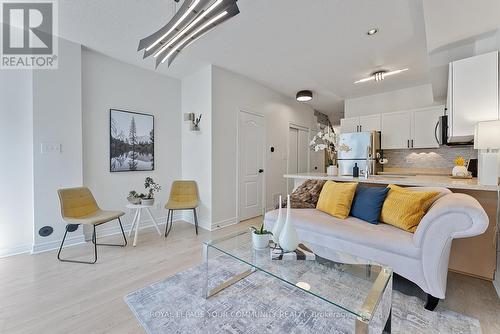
(336,198)
(367,203)
(404,208)
(306,195)
(312,224)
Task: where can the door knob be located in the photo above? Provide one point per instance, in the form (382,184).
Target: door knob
(261,170)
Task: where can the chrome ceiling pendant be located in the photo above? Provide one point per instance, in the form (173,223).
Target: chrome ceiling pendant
(194,19)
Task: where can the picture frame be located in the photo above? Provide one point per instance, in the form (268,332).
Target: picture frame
(131,141)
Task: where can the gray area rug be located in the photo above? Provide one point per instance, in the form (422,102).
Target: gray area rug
(263,304)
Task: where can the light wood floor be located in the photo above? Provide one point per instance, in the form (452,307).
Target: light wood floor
(39,294)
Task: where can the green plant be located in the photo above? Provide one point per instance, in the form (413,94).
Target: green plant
(261,230)
(151,187)
(135,194)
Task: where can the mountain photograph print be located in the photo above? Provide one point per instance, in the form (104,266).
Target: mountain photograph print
(131,141)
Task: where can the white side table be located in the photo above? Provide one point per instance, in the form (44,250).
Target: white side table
(137,219)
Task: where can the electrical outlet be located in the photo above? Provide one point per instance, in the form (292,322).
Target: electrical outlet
(50,148)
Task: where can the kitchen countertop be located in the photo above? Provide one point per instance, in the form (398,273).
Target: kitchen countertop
(404,180)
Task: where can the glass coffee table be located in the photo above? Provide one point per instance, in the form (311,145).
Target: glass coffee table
(349,285)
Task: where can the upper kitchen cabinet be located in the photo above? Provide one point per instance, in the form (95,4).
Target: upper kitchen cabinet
(361,124)
(411,129)
(396,130)
(424,127)
(350,124)
(370,123)
(472,95)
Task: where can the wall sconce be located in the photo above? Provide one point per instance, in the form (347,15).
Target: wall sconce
(195,121)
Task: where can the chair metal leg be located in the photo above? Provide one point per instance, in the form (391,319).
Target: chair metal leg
(171,221)
(195,221)
(167,220)
(75,261)
(123,233)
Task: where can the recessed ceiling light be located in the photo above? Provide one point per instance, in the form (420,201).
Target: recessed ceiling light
(372,31)
(379,76)
(304,96)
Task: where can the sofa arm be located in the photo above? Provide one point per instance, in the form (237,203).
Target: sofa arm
(451,216)
(474,220)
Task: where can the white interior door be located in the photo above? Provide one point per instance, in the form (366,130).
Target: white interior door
(293,135)
(298,153)
(303,151)
(251,165)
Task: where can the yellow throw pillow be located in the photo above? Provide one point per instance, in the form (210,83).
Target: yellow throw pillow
(336,198)
(405,208)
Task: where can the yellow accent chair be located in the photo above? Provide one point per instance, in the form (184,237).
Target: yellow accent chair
(183,196)
(78,207)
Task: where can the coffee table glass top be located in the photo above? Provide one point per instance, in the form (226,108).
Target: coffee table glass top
(353,284)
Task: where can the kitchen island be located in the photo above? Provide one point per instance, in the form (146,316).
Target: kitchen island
(400,180)
(475,256)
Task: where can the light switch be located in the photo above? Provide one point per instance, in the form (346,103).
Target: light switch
(50,148)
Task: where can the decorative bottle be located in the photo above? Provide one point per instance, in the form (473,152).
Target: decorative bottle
(288,240)
(278,225)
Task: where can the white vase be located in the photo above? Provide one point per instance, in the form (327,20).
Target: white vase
(289,240)
(332,170)
(260,241)
(460,171)
(278,225)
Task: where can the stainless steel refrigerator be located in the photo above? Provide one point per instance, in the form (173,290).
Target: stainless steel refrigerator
(360,148)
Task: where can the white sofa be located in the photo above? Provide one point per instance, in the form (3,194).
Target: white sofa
(421,257)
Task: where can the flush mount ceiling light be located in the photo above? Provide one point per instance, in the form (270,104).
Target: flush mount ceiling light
(372,31)
(379,76)
(194,19)
(304,96)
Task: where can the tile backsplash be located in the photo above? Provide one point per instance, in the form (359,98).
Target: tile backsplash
(437,158)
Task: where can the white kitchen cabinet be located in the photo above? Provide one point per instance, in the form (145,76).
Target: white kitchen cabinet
(370,123)
(360,124)
(423,127)
(411,129)
(396,130)
(472,95)
(350,124)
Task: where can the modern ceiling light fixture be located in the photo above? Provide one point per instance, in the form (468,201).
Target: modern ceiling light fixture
(372,31)
(194,19)
(379,76)
(304,96)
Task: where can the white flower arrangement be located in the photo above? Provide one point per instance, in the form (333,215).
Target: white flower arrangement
(326,139)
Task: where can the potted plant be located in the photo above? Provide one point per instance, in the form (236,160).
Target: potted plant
(134,197)
(460,170)
(260,237)
(326,139)
(151,188)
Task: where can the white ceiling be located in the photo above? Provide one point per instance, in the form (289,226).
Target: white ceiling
(288,45)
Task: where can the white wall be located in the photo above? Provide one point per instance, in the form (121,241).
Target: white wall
(232,93)
(108,83)
(57,119)
(16,167)
(197,146)
(402,99)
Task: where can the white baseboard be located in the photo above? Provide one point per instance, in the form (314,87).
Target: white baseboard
(26,248)
(224,223)
(51,245)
